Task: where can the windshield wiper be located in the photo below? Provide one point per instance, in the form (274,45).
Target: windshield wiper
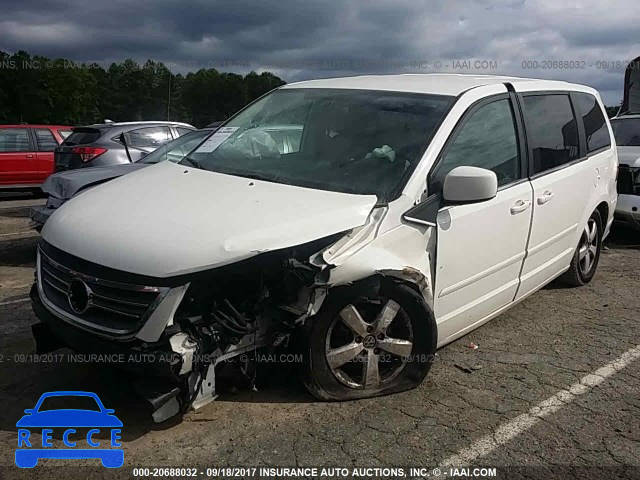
(193,163)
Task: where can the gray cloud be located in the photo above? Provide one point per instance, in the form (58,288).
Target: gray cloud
(299,40)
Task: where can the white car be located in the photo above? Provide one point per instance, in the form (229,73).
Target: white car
(383,217)
(626,129)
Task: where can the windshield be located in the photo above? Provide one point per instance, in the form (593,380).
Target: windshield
(626,131)
(354,141)
(175,150)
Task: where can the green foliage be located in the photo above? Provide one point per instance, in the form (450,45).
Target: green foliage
(612,111)
(37,89)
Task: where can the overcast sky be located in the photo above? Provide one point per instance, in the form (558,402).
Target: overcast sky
(323,38)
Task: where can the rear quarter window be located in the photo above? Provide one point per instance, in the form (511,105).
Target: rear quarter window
(595,125)
(148,136)
(46,141)
(65,133)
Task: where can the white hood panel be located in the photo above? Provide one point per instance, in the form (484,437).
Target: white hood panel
(168,219)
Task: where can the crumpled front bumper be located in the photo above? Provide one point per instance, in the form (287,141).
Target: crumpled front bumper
(40,214)
(628,210)
(51,333)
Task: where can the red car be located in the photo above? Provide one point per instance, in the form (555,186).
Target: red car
(26,154)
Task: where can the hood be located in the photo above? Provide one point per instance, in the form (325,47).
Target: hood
(66,184)
(629,156)
(168,220)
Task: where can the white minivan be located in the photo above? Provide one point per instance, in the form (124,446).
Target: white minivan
(363,221)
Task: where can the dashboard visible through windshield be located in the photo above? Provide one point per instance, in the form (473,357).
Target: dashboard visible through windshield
(354,141)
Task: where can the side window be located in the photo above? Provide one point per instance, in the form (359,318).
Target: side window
(46,140)
(182,130)
(487,139)
(148,136)
(595,125)
(14,140)
(552,130)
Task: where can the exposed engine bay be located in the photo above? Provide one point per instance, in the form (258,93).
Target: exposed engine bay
(224,313)
(239,309)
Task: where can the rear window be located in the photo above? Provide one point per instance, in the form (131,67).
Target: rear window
(595,125)
(626,131)
(80,136)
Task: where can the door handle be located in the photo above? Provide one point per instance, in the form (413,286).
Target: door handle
(546,197)
(29,155)
(520,206)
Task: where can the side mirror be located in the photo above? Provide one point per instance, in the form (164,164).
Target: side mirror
(29,411)
(469,185)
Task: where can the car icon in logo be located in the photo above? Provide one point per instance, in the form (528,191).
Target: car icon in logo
(95,418)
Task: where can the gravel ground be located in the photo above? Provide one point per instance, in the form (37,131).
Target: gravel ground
(536,349)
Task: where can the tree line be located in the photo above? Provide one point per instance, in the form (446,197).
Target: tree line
(37,89)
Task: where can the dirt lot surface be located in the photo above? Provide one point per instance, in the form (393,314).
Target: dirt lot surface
(475,405)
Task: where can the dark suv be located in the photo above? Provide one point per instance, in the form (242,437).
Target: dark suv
(107,143)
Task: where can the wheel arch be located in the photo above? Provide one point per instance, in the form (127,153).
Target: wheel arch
(603,209)
(409,279)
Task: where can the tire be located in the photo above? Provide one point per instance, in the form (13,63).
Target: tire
(587,255)
(394,355)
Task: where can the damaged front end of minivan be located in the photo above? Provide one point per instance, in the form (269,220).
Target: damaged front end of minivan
(183,336)
(179,333)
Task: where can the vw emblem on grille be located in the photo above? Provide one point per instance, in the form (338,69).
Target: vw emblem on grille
(79,295)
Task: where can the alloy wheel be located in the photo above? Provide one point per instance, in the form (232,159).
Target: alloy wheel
(588,247)
(368,344)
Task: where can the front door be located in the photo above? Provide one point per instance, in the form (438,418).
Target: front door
(481,246)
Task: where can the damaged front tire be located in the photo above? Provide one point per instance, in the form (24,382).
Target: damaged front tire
(368,342)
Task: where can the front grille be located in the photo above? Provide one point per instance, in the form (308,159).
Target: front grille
(113,307)
(628,180)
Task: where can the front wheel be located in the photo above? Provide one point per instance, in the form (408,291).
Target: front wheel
(587,255)
(362,346)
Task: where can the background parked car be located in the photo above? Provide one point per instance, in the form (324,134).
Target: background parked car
(626,129)
(63,185)
(26,153)
(101,144)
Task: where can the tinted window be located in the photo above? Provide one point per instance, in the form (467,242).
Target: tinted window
(14,140)
(46,140)
(488,140)
(182,130)
(64,133)
(595,125)
(81,136)
(626,131)
(552,130)
(148,136)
